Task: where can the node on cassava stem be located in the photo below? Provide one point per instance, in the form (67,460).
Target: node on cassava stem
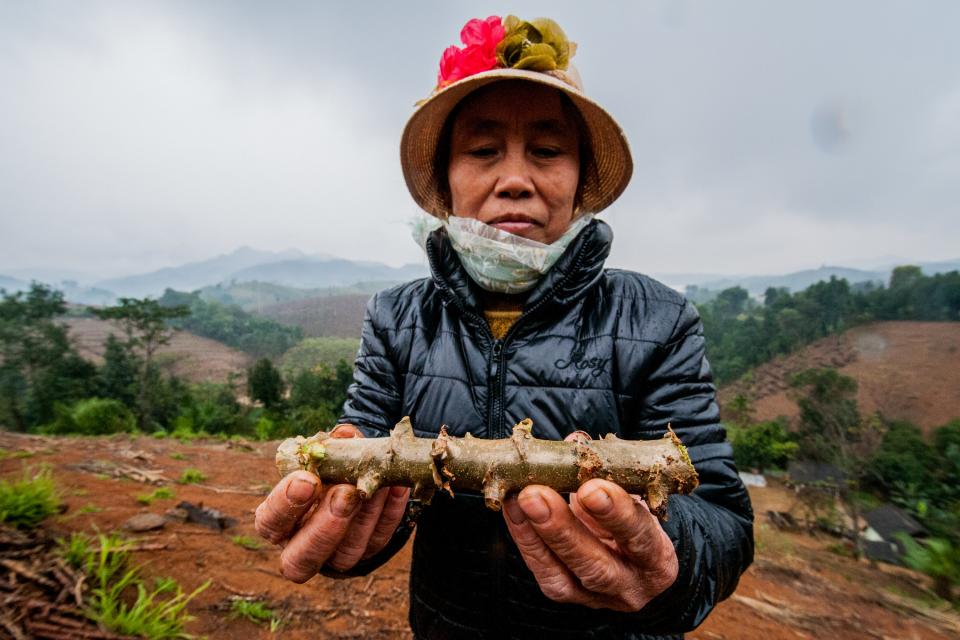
(652,469)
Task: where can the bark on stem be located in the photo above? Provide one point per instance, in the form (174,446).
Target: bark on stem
(652,469)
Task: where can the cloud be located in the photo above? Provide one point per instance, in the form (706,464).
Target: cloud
(766,137)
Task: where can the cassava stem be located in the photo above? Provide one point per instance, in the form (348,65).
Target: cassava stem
(652,469)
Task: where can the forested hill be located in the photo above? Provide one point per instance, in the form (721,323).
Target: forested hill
(742,333)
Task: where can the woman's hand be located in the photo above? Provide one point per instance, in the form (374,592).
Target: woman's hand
(603,550)
(328,526)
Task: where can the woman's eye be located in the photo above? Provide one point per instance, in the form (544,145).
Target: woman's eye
(546,152)
(483,152)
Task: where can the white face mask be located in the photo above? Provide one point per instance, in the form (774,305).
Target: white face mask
(497,260)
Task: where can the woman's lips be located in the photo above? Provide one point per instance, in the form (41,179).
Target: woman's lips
(516,228)
(516,223)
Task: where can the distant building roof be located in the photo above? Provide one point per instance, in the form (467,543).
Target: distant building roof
(803,472)
(883,552)
(888,520)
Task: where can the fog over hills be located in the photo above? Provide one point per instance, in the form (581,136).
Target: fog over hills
(297,271)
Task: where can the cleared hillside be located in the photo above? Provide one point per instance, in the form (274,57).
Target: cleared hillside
(188,356)
(339,316)
(905,370)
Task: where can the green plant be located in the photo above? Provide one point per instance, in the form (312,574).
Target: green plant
(76,549)
(163,493)
(94,416)
(256,611)
(176,455)
(938,558)
(26,502)
(247,542)
(192,476)
(4,454)
(763,445)
(157,613)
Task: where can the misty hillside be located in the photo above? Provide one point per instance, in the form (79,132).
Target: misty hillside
(194,275)
(291,268)
(258,296)
(12,284)
(797,281)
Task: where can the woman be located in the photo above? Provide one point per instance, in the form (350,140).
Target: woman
(519,319)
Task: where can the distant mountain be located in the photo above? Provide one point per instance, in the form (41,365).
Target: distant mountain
(195,275)
(931,268)
(312,273)
(291,268)
(72,290)
(12,284)
(797,281)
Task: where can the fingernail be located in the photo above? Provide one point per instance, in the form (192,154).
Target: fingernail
(535,507)
(300,491)
(344,502)
(596,499)
(514,512)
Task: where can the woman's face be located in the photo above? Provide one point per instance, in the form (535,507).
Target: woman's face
(514,160)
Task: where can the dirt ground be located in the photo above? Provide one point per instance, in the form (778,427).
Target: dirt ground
(796,588)
(905,370)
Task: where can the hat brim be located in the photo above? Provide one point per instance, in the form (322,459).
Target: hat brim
(418,146)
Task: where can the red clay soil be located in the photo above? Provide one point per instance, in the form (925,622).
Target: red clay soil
(795,588)
(905,371)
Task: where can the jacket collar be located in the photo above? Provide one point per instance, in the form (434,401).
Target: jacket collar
(580,266)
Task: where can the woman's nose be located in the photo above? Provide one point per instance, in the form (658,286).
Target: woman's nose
(514,180)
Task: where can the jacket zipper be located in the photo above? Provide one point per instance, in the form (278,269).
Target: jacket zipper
(496,416)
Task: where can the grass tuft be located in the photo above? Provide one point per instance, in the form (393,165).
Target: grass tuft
(119,599)
(256,611)
(192,476)
(27,502)
(163,493)
(247,542)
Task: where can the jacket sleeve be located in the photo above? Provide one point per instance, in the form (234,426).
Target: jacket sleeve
(711,529)
(374,397)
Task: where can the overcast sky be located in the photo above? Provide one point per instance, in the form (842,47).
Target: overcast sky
(767,137)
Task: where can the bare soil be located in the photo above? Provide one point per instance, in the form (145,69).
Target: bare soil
(905,371)
(188,356)
(796,588)
(339,316)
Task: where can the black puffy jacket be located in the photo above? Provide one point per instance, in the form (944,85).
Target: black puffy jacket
(602,350)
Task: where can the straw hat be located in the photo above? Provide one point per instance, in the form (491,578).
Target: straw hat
(520,44)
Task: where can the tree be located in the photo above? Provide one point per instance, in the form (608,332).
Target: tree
(119,373)
(832,431)
(265,384)
(904,465)
(739,411)
(144,322)
(39,367)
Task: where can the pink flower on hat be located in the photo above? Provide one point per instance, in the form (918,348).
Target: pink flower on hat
(480,39)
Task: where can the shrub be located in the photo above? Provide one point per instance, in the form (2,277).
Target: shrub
(93,417)
(25,503)
(763,445)
(936,557)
